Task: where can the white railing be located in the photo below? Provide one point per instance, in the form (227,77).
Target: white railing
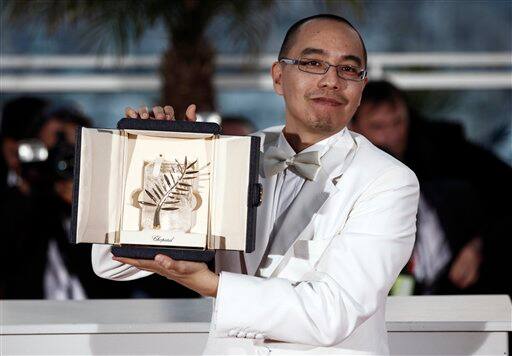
(408,70)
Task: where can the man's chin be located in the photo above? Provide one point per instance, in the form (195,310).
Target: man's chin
(325,125)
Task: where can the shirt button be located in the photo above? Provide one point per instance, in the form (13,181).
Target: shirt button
(259,336)
(240,334)
(232,332)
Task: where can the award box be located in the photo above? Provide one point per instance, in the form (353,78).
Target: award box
(173,187)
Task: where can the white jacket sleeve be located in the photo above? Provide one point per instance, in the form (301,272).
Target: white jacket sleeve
(105,267)
(349,283)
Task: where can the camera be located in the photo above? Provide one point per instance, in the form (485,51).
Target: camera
(42,166)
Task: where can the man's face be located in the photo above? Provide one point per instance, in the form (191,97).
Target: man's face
(235,128)
(320,104)
(385,125)
(49,132)
(10,152)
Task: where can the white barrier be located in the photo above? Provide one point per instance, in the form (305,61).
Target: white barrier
(420,325)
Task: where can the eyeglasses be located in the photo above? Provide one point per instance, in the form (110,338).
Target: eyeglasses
(316,66)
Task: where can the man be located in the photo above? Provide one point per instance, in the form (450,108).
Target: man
(463,204)
(34,214)
(18,117)
(331,239)
(18,205)
(237,125)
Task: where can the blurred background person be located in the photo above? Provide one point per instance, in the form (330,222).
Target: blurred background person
(18,115)
(464,213)
(66,275)
(237,125)
(35,211)
(36,214)
(18,216)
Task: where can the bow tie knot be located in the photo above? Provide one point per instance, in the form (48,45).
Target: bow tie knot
(306,164)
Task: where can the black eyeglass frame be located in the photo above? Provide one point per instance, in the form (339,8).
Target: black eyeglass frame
(362,74)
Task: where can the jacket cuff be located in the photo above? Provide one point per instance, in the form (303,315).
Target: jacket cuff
(231,305)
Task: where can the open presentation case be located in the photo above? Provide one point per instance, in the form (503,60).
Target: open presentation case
(172,187)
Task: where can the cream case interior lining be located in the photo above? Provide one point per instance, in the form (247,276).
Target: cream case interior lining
(111,170)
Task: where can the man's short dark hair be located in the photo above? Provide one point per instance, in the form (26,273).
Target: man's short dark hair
(69,114)
(19,114)
(291,34)
(64,114)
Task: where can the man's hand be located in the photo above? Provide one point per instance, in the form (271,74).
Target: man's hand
(193,275)
(465,270)
(159,113)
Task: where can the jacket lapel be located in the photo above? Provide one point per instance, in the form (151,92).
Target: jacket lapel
(336,161)
(310,200)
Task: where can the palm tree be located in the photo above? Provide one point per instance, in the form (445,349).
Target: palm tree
(187,66)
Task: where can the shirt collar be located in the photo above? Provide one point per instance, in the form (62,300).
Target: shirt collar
(321,146)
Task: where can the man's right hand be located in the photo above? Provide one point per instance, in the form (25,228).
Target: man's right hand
(159,113)
(465,269)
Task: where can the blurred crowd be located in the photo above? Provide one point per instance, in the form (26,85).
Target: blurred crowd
(463,219)
(36,183)
(464,214)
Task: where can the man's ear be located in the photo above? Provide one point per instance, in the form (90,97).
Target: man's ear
(365,81)
(360,96)
(277,72)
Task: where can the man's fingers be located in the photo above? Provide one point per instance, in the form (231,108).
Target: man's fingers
(473,278)
(178,268)
(129,261)
(165,261)
(130,113)
(456,281)
(456,272)
(463,281)
(194,275)
(143,112)
(463,275)
(169,112)
(465,270)
(158,111)
(470,277)
(190,114)
(141,264)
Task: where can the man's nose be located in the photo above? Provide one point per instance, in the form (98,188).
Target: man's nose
(331,80)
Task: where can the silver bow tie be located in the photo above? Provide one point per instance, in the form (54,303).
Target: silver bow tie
(305,164)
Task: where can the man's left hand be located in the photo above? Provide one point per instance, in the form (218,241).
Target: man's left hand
(193,275)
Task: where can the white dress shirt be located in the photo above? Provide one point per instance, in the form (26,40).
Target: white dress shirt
(59,283)
(431,253)
(289,184)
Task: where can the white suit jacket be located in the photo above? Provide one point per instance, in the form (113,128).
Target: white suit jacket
(354,229)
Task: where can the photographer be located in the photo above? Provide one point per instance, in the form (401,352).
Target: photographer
(35,213)
(17,116)
(64,274)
